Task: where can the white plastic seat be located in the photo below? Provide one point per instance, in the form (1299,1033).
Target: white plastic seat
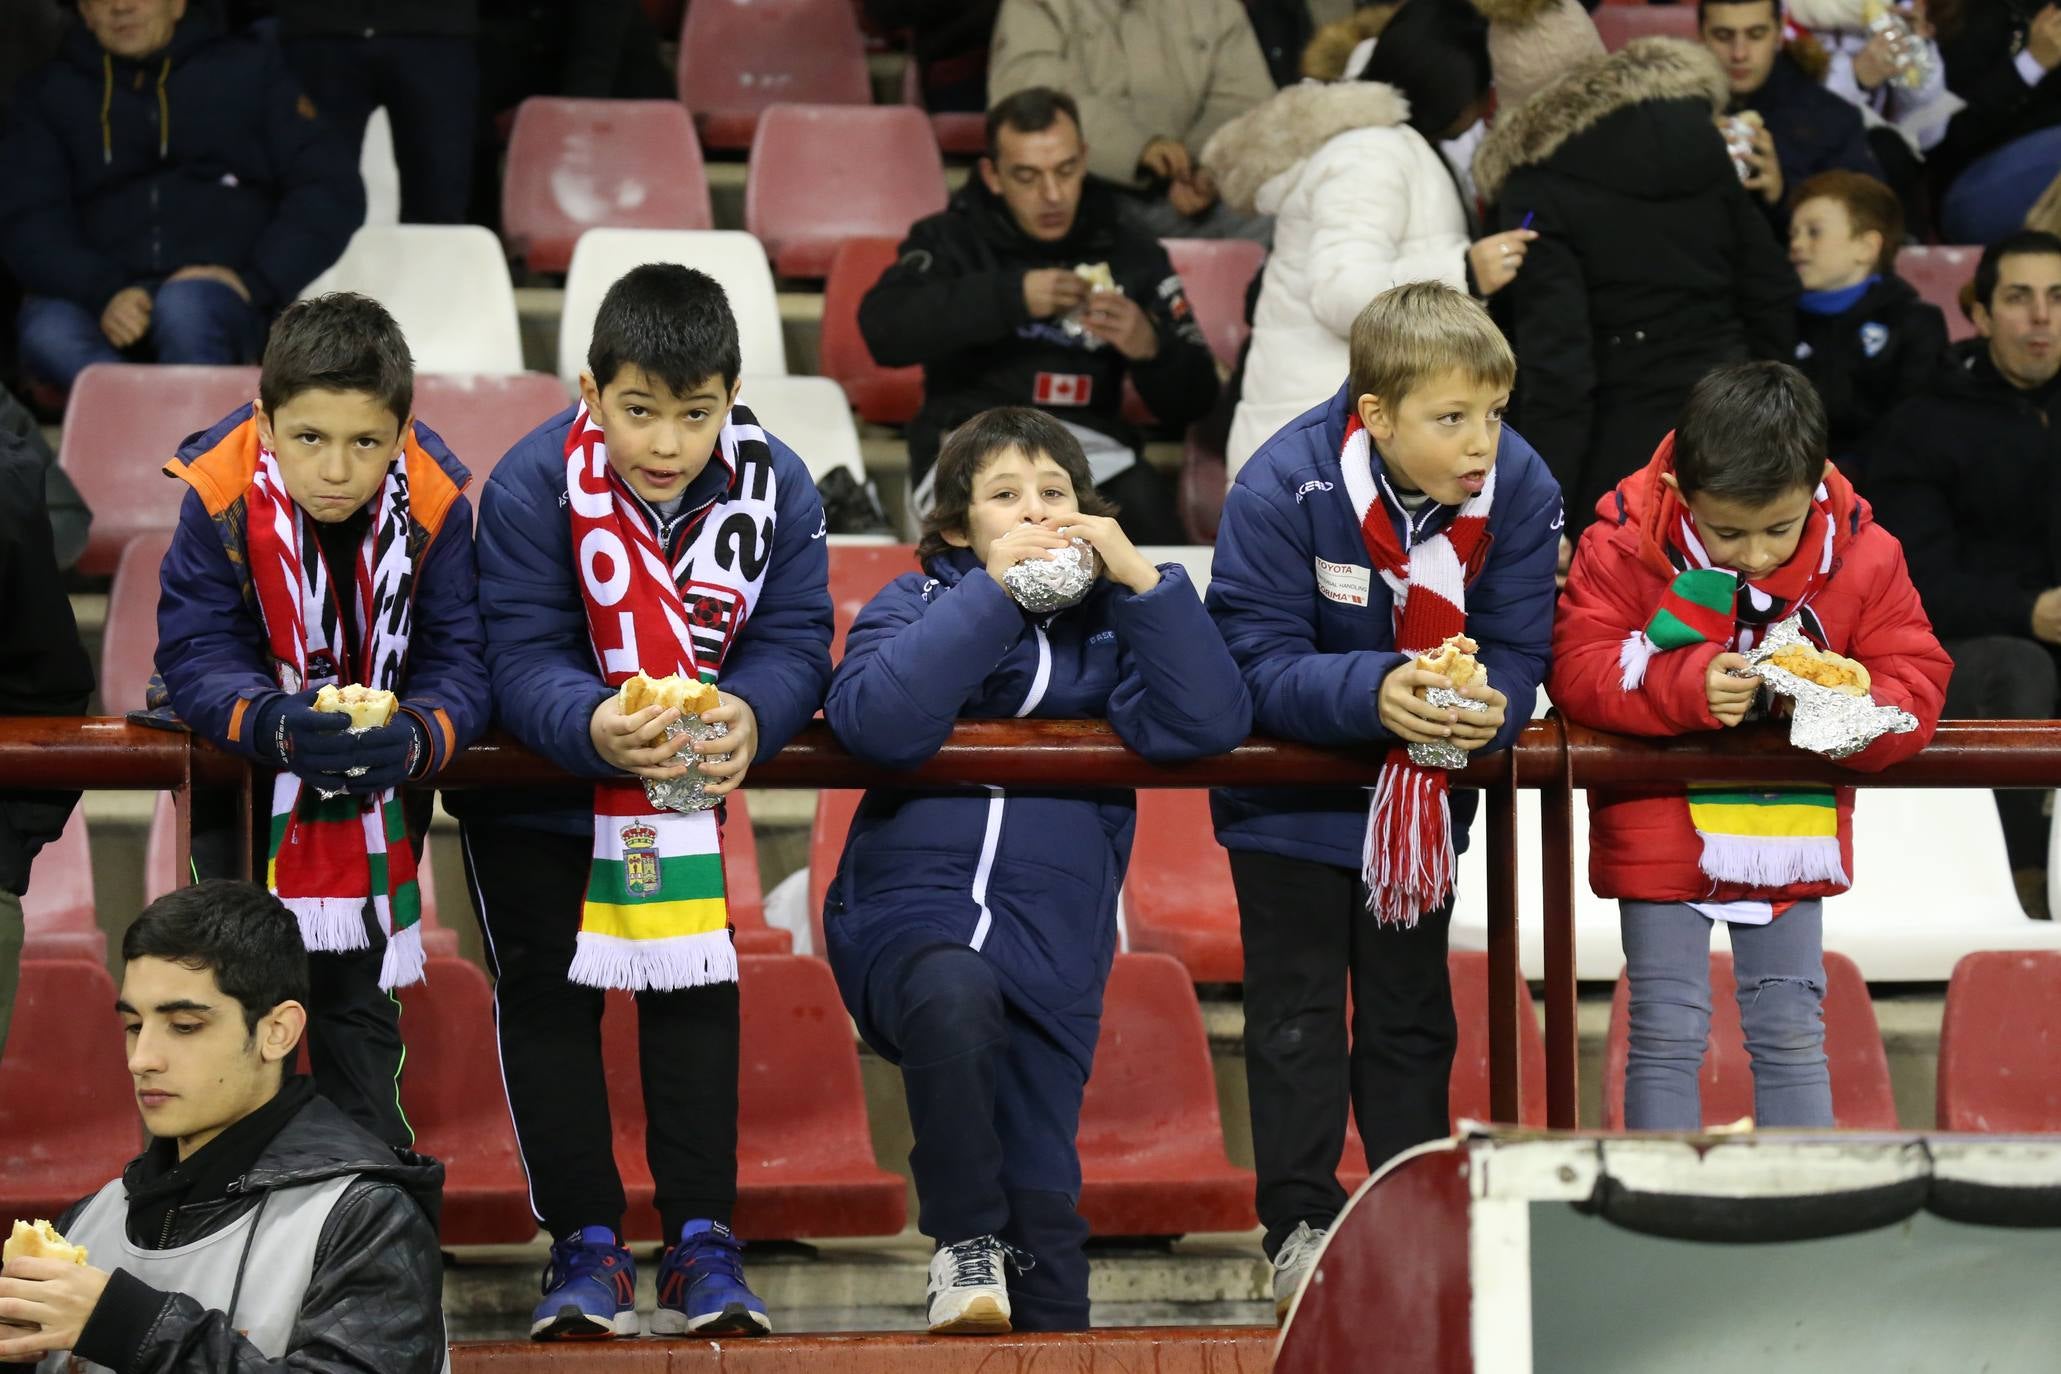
(1193,557)
(378,170)
(446,284)
(811,416)
(734,258)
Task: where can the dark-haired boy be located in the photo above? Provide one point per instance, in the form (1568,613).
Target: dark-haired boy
(262,1228)
(653,526)
(1737,524)
(327,540)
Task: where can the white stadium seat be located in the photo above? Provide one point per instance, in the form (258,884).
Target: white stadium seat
(732,257)
(447,285)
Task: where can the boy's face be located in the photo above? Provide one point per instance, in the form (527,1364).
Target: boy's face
(197,1070)
(1039,177)
(1825,251)
(1441,438)
(334,448)
(1751,540)
(1013,488)
(2023,319)
(1744,38)
(659,440)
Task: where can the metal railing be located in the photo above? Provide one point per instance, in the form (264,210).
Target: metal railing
(1550,757)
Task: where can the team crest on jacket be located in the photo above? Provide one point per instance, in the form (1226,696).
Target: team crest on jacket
(1874,338)
(640,861)
(711,620)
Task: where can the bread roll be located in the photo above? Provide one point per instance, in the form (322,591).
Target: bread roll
(368,707)
(1455,661)
(689,696)
(1096,274)
(39,1240)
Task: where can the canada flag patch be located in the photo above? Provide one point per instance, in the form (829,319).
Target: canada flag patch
(1063,389)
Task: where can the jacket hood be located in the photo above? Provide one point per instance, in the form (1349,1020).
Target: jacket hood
(1289,126)
(1645,72)
(1515,12)
(1094,223)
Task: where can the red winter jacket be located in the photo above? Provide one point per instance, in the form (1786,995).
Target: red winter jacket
(1641,845)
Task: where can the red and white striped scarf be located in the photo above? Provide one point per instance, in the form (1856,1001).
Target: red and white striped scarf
(1408,861)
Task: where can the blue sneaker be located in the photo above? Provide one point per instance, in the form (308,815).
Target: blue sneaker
(590,1289)
(701,1288)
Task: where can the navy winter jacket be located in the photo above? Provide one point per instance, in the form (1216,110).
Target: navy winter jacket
(545,679)
(1315,663)
(206,153)
(1028,878)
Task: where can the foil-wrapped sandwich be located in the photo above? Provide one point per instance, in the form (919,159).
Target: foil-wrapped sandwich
(1054,582)
(1455,661)
(1099,278)
(1833,714)
(690,697)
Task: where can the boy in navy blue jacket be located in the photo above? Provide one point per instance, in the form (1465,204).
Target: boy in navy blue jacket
(653,527)
(327,540)
(971,931)
(1401,503)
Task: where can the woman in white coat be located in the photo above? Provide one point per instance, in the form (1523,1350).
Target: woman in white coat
(1362,201)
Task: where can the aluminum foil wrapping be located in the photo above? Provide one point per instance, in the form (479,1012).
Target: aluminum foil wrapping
(1044,585)
(1913,54)
(689,791)
(349,730)
(1444,753)
(1824,721)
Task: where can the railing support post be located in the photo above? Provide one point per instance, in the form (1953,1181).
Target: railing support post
(1556,864)
(1505,1089)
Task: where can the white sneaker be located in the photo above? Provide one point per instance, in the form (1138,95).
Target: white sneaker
(969,1291)
(1292,1265)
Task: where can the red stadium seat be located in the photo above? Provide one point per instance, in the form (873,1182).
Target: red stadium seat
(68,1120)
(1151,1142)
(1938,274)
(743,886)
(961,134)
(805,1163)
(740,56)
(821,174)
(1216,274)
(128,642)
(123,423)
(835,808)
(1202,486)
(58,909)
(1861,1095)
(857,573)
(481,415)
(449,1092)
(1620,24)
(575,164)
(1177,897)
(2000,1044)
(881,395)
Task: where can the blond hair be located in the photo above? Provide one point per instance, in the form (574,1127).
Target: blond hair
(1410,334)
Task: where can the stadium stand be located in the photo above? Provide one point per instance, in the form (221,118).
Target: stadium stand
(446,284)
(880,395)
(809,415)
(2000,1044)
(128,640)
(575,165)
(743,887)
(732,257)
(58,909)
(736,59)
(68,1119)
(1619,24)
(1216,274)
(1939,273)
(482,415)
(820,174)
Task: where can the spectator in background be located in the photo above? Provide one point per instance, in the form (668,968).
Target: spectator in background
(950,41)
(1652,266)
(43,672)
(1153,79)
(1342,47)
(1364,182)
(1805,129)
(1969,478)
(164,188)
(1863,337)
(419,59)
(986,298)
(2003,149)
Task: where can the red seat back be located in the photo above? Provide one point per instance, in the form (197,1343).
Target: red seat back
(1861,1096)
(857,573)
(128,642)
(2000,1044)
(1216,274)
(961,134)
(1938,274)
(58,909)
(835,808)
(740,56)
(823,173)
(882,395)
(1620,24)
(481,415)
(1178,898)
(744,888)
(575,164)
(123,423)
(68,1120)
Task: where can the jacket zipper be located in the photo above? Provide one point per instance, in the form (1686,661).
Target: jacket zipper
(998,800)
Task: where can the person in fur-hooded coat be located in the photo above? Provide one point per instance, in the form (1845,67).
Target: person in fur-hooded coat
(1653,264)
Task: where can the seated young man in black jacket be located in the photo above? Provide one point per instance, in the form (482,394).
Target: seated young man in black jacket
(262,1229)
(1969,478)
(987,299)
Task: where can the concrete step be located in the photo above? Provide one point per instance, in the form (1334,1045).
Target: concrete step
(1228,1350)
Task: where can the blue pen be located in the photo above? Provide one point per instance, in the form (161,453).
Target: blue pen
(1527,219)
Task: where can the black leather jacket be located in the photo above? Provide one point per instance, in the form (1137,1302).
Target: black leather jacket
(374,1305)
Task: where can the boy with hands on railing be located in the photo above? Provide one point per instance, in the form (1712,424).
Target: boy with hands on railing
(1738,523)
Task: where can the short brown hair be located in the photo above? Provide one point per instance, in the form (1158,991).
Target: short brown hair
(339,342)
(1029,111)
(1869,205)
(1409,334)
(969,447)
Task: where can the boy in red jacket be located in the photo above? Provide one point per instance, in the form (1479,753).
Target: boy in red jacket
(1739,514)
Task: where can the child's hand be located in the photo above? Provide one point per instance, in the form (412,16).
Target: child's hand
(734,751)
(636,743)
(1407,715)
(1120,557)
(1025,541)
(1477,729)
(1729,696)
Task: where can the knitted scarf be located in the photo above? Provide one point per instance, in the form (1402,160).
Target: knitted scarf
(329,855)
(655,914)
(1407,860)
(1765,838)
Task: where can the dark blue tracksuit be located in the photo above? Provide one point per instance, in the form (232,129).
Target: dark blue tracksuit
(972,930)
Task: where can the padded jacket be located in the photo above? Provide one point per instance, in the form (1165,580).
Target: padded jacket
(1314,660)
(1028,877)
(1641,844)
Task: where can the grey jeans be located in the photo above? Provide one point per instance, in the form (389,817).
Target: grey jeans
(10,959)
(1781,974)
